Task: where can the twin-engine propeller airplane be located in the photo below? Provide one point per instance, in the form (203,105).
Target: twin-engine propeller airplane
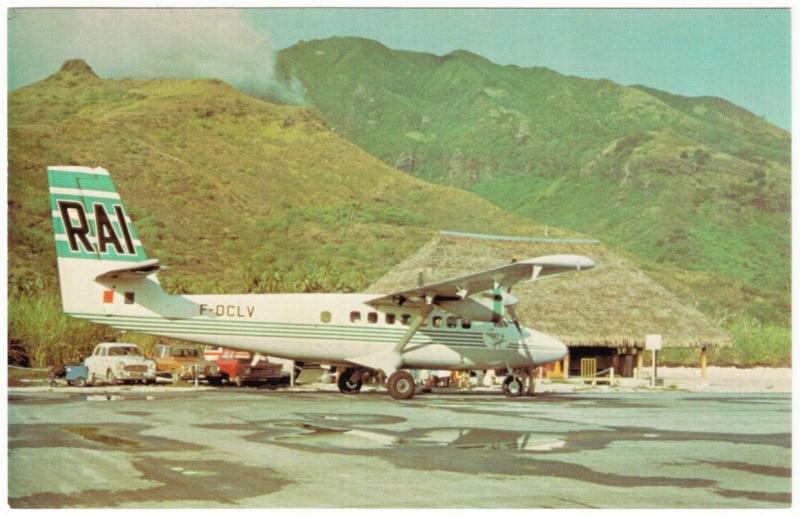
(107,278)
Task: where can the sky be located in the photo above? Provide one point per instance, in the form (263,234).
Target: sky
(742,55)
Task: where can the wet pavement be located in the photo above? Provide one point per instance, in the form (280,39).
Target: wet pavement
(261,448)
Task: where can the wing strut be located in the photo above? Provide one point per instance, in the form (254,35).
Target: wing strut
(390,361)
(416,321)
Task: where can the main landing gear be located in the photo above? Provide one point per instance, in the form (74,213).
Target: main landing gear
(400,384)
(350,381)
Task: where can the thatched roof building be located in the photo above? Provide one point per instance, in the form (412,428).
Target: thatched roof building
(612,305)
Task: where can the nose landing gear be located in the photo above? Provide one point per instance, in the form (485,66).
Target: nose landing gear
(514,386)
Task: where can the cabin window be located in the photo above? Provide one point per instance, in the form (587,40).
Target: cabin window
(437,322)
(372,317)
(452,322)
(355,317)
(466,324)
(390,318)
(405,319)
(325,316)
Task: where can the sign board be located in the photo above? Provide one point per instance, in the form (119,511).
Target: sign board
(652,342)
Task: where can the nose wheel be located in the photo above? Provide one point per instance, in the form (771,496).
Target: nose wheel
(513,386)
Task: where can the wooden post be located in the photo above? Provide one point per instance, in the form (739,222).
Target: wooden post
(704,362)
(639,362)
(566,366)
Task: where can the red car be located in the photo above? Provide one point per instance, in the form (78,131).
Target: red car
(242,367)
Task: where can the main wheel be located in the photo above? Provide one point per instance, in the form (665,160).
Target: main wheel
(298,368)
(346,384)
(513,386)
(401,385)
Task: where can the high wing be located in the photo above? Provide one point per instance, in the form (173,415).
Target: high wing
(458,289)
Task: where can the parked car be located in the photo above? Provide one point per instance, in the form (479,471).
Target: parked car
(74,375)
(245,367)
(181,362)
(115,362)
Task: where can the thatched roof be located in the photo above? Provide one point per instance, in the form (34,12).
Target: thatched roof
(614,304)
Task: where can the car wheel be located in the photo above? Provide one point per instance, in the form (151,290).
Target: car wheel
(79,382)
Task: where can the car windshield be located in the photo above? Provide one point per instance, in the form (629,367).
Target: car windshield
(124,350)
(184,352)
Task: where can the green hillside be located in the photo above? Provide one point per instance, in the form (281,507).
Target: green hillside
(697,188)
(231,192)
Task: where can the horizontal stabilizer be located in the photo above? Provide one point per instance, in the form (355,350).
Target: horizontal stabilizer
(134,271)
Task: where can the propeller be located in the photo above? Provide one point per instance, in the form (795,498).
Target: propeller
(514,318)
(508,301)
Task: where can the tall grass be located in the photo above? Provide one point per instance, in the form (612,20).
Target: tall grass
(40,335)
(754,344)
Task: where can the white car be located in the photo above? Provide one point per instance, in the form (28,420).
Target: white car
(115,362)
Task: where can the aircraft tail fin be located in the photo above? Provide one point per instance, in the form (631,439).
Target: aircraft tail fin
(101,262)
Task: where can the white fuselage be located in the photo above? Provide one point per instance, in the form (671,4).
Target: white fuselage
(325,328)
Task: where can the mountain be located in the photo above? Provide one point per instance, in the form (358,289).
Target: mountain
(231,192)
(698,189)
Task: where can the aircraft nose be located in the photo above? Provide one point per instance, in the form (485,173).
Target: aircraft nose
(560,349)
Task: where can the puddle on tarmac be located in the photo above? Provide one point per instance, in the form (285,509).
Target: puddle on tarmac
(352,419)
(758,469)
(480,450)
(782,498)
(92,433)
(184,481)
(95,437)
(470,451)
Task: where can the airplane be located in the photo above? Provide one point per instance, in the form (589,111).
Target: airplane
(107,278)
